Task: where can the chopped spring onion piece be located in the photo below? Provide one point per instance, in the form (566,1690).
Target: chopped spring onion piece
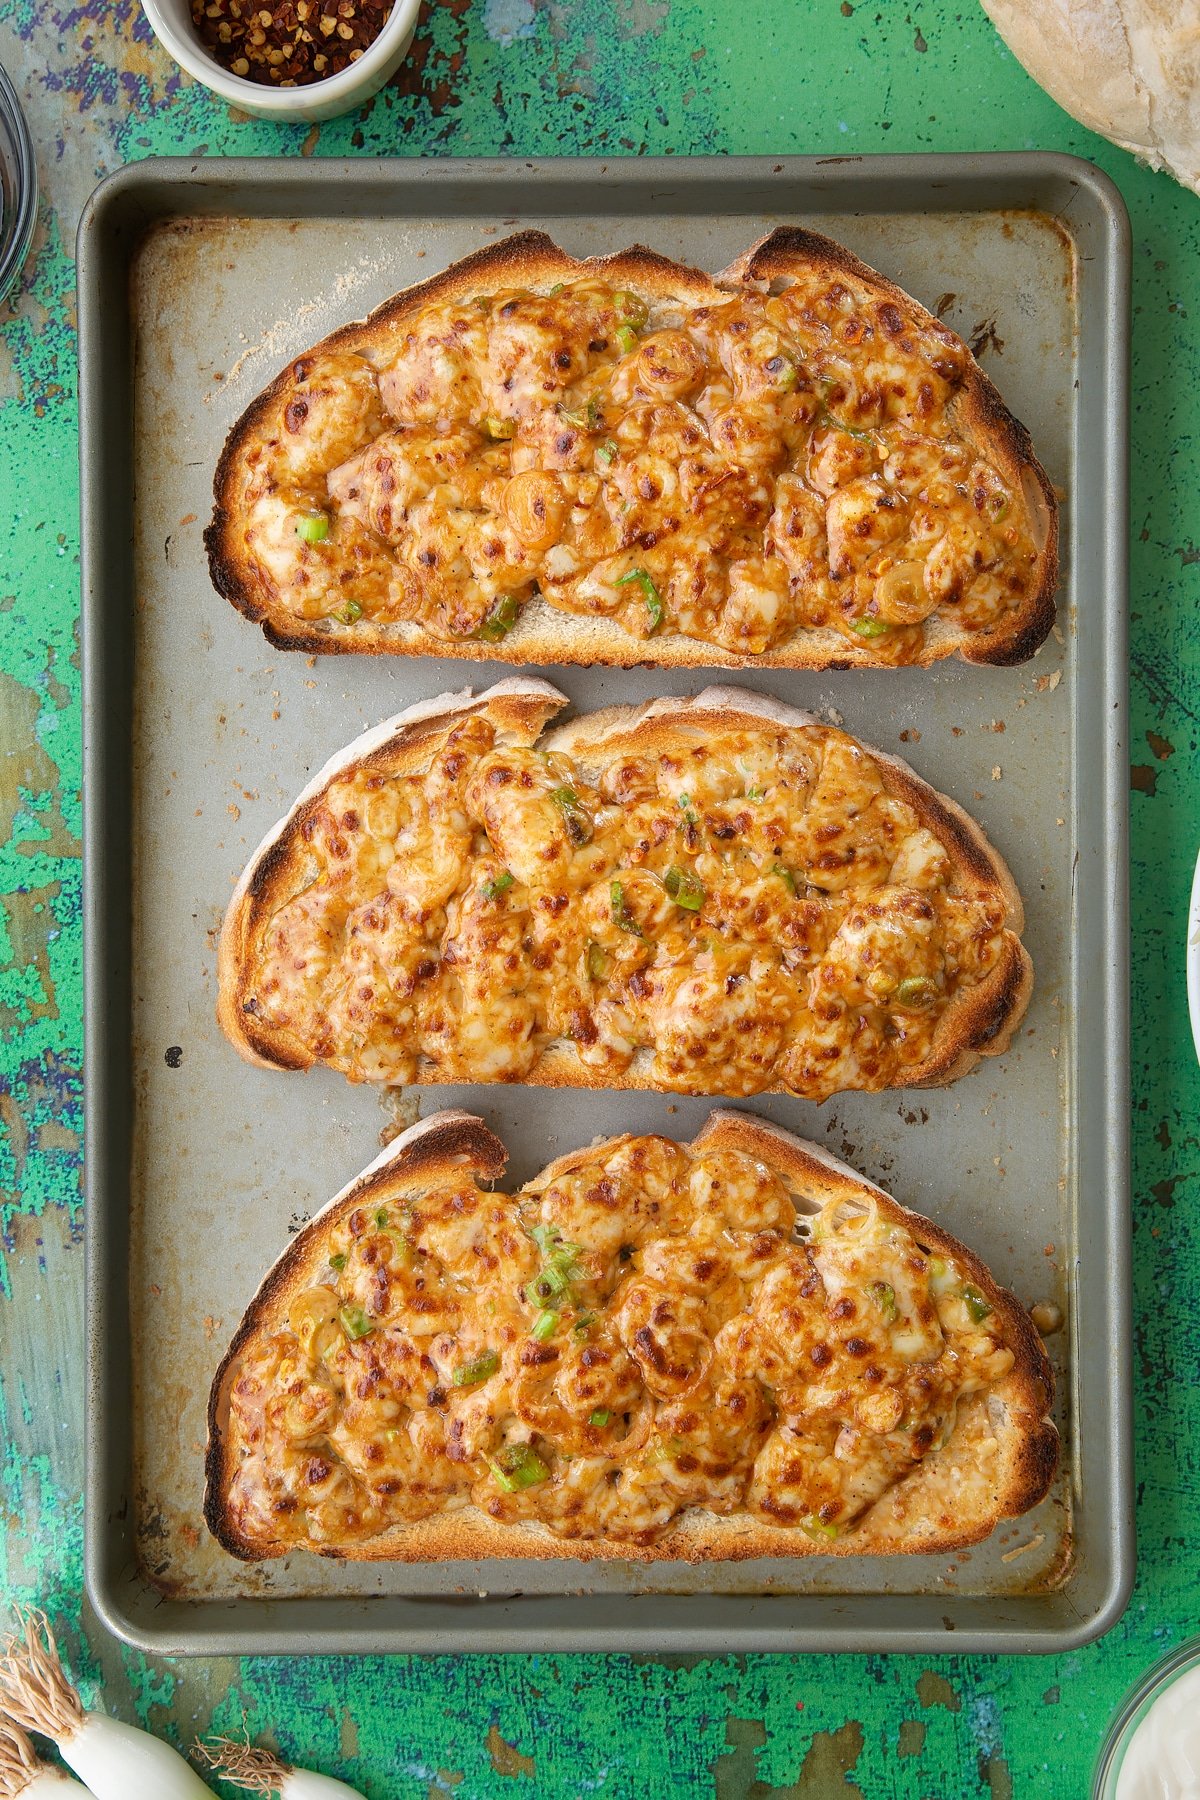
(684,802)
(756,794)
(600,1417)
(884,1296)
(518,1466)
(555,1278)
(575,814)
(871,628)
(557,288)
(584,418)
(116,1761)
(621,915)
(260,1771)
(501,616)
(786,876)
(976,1305)
(583,1324)
(915,990)
(598,961)
(654,605)
(381,1218)
(627,337)
(816,1528)
(348,613)
(313,527)
(499,430)
(631,308)
(608,451)
(472,1373)
(685,888)
(355,1323)
(544,1325)
(337,1263)
(492,890)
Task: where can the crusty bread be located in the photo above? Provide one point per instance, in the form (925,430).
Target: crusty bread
(997,1462)
(544,634)
(978,1022)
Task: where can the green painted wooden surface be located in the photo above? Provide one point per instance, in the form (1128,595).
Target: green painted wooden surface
(610,76)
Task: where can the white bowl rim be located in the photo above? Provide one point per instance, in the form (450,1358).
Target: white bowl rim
(1193,958)
(191,56)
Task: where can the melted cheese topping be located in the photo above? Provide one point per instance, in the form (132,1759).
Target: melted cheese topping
(754,911)
(740,472)
(652,1332)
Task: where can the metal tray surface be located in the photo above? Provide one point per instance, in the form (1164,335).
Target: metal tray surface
(197,281)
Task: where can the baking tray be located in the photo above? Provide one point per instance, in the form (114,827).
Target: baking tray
(196,281)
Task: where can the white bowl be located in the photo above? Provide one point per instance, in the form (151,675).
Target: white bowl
(171,21)
(1193,958)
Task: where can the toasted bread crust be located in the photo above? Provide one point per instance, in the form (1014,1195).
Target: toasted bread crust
(979,1023)
(544,634)
(1020,1437)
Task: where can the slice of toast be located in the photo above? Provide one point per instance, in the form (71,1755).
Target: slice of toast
(732,1348)
(710,895)
(789,465)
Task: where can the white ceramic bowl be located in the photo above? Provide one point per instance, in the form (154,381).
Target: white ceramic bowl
(1193,958)
(171,21)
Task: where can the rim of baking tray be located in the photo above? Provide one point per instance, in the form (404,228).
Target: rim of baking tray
(1134,1709)
(191,56)
(14,243)
(1193,958)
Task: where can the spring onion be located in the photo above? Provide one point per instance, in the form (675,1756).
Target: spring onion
(631,308)
(915,990)
(621,915)
(684,802)
(348,613)
(313,527)
(575,815)
(685,888)
(608,451)
(544,1325)
(499,430)
(259,1771)
(654,605)
(598,961)
(884,1296)
(116,1761)
(816,1528)
(355,1323)
(472,1373)
(627,337)
(583,1324)
(870,627)
(499,884)
(600,1417)
(337,1263)
(786,876)
(517,1466)
(755,794)
(976,1305)
(22,1774)
(500,618)
(584,418)
(381,1218)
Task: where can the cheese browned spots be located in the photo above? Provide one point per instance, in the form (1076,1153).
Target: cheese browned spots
(741,472)
(752,909)
(653,1330)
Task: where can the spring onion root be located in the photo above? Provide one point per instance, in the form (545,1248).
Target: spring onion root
(23,1775)
(260,1771)
(116,1761)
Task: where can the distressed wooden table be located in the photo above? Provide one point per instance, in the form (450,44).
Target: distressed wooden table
(545,77)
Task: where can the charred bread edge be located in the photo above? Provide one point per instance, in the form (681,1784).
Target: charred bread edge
(532,256)
(982,1025)
(1028,1440)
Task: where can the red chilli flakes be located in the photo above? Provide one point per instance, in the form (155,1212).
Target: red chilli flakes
(291,43)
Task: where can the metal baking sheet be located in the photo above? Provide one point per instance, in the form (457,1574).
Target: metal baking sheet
(197,281)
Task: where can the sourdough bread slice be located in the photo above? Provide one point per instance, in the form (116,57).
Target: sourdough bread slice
(889,955)
(706,1455)
(400,568)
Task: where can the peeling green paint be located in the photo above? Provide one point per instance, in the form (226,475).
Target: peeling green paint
(610,77)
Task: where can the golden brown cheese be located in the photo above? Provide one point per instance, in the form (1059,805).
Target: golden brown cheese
(654,1331)
(738,472)
(752,911)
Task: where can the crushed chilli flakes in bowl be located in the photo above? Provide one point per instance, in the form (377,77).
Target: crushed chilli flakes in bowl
(289,43)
